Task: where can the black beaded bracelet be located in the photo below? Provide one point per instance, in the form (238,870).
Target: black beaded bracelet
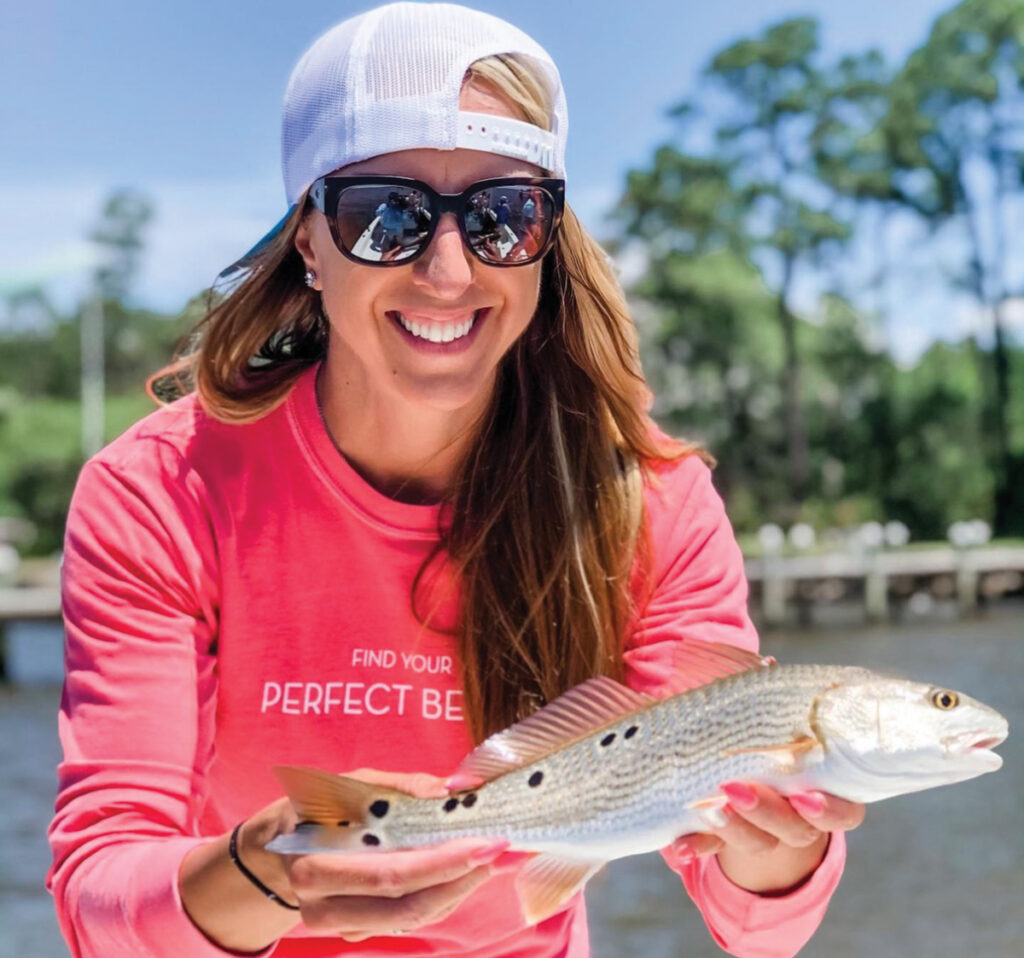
(233,852)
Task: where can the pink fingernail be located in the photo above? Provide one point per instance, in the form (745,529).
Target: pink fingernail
(740,796)
(510,861)
(460,782)
(808,804)
(487,854)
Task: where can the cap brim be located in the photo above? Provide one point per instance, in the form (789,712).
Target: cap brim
(245,262)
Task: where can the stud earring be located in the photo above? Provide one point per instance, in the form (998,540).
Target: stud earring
(310,278)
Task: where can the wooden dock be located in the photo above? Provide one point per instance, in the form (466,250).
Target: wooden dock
(775,581)
(29,603)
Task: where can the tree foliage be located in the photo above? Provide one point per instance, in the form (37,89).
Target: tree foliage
(955,130)
(780,159)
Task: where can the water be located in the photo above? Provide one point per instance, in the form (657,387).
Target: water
(940,872)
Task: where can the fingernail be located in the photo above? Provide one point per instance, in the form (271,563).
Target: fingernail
(808,804)
(460,782)
(741,796)
(713,817)
(510,861)
(487,854)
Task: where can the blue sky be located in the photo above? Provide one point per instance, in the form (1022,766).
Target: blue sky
(182,100)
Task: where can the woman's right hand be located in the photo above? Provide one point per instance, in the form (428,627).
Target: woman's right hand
(362,894)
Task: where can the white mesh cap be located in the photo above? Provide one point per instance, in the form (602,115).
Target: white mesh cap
(389,80)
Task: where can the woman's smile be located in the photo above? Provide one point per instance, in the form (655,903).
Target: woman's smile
(437,333)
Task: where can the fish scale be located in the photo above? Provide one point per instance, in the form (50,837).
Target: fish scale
(677,756)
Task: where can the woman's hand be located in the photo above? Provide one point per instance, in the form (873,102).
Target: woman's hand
(363,894)
(355,895)
(765,842)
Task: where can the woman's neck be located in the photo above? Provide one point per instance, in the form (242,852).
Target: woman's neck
(405,452)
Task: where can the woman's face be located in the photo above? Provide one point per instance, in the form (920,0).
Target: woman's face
(447,286)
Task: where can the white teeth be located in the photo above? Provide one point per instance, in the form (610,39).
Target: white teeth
(438,332)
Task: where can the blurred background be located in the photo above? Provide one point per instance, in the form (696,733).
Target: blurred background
(817,210)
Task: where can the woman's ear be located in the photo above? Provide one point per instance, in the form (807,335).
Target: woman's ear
(304,244)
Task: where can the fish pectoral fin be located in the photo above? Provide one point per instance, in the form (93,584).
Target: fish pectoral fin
(785,751)
(547,882)
(329,799)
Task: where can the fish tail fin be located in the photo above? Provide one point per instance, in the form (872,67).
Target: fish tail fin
(327,799)
(336,813)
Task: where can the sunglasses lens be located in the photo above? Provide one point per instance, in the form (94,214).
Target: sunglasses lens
(509,225)
(382,223)
(506,224)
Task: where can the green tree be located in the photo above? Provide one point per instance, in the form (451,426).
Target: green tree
(775,96)
(120,233)
(852,156)
(956,131)
(753,192)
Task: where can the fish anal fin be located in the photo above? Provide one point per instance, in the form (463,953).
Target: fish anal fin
(329,799)
(545,883)
(580,712)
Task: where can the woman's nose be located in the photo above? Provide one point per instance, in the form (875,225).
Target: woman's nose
(445,268)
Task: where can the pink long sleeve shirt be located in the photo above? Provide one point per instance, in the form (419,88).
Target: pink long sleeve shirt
(236,597)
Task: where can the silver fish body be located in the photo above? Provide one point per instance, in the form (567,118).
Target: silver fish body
(635,783)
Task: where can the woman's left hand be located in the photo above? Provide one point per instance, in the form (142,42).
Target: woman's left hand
(765,842)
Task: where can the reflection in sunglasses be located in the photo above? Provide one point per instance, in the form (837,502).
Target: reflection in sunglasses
(390,221)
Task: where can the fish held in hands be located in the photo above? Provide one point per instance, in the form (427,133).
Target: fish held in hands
(604,772)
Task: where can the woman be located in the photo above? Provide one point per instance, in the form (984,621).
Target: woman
(408,501)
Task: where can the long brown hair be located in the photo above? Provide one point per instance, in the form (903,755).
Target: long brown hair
(545,524)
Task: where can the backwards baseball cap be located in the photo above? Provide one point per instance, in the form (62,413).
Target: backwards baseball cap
(388,80)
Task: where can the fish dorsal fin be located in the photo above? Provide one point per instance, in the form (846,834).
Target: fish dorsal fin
(696,663)
(546,883)
(329,799)
(574,715)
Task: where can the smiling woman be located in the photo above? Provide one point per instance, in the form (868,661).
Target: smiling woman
(409,493)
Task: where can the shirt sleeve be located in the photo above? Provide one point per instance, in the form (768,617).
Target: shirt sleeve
(139,591)
(699,591)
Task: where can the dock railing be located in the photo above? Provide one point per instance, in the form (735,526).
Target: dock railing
(778,575)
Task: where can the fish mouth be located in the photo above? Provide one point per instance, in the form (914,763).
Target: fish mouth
(974,742)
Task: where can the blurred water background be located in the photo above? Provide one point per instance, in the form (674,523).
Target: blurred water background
(937,873)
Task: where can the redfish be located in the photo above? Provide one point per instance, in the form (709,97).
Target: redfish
(604,772)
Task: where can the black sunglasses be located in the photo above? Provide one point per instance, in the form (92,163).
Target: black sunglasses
(390,220)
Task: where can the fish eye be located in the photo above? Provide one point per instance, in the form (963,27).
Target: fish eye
(945,700)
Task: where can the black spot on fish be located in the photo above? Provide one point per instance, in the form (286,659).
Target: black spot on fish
(469,801)
(379,808)
(340,824)
(608,739)
(370,839)
(631,731)
(535,779)
(451,805)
